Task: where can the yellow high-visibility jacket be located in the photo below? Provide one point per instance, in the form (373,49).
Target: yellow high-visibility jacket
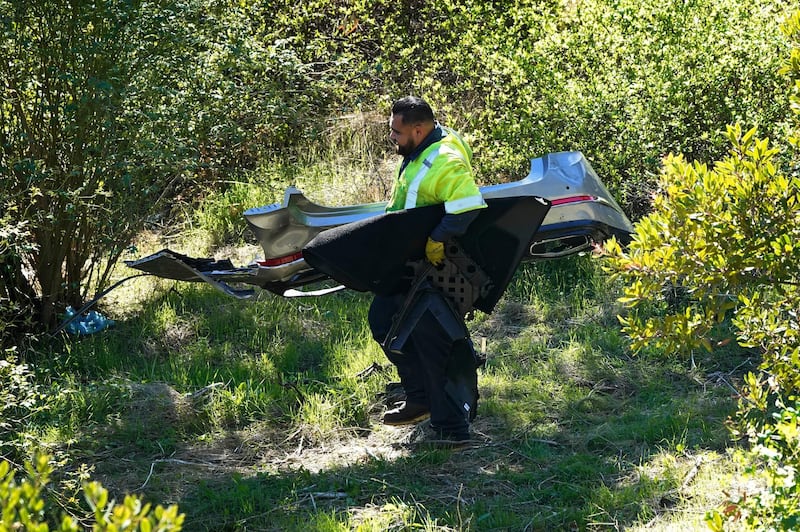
(442,173)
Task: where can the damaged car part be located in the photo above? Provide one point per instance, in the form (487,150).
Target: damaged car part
(582,213)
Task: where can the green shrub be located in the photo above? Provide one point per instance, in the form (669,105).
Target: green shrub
(24,506)
(726,237)
(20,400)
(113,113)
(79,157)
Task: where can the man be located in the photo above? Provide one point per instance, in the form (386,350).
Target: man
(436,169)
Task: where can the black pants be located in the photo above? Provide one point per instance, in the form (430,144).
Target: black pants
(434,369)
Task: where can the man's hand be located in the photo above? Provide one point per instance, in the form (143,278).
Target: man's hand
(434,251)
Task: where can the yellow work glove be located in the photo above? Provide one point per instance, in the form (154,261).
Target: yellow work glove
(434,251)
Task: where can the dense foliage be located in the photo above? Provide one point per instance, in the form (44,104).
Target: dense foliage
(74,174)
(625,82)
(726,240)
(115,113)
(112,109)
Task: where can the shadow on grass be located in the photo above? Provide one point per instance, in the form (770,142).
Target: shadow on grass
(572,433)
(609,462)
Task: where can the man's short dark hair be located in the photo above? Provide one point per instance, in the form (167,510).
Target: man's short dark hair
(413,109)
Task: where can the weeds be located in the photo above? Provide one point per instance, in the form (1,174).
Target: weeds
(265,416)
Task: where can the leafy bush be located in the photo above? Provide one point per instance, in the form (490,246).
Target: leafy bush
(623,81)
(712,235)
(727,238)
(73,175)
(116,111)
(16,297)
(20,400)
(24,505)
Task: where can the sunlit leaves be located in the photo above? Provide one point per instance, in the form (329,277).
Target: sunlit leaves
(715,232)
(24,507)
(734,230)
(109,110)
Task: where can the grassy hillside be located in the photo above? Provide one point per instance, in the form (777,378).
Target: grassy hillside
(265,415)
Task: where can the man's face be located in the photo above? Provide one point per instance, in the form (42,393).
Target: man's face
(404,136)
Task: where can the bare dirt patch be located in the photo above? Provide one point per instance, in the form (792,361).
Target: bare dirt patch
(168,474)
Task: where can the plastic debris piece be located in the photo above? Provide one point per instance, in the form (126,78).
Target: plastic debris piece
(89,323)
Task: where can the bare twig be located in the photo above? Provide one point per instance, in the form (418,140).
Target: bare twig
(371,369)
(329,494)
(692,472)
(181,462)
(150,474)
(205,390)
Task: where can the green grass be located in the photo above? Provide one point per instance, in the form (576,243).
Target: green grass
(255,416)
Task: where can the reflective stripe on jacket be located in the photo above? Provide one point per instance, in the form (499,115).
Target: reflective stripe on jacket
(442,173)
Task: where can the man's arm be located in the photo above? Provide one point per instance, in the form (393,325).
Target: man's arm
(453,225)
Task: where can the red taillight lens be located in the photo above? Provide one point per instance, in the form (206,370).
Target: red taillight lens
(572,199)
(281,260)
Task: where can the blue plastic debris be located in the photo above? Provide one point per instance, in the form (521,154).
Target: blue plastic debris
(89,323)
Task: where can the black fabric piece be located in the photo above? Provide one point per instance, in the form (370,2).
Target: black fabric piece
(372,255)
(434,136)
(453,225)
(499,238)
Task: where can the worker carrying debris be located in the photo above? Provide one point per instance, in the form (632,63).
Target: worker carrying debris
(436,169)
(439,250)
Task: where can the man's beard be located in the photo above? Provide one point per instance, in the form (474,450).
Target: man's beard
(406,149)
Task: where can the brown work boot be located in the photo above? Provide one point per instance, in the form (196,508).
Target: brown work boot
(406,413)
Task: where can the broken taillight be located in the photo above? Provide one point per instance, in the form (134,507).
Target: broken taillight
(278,261)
